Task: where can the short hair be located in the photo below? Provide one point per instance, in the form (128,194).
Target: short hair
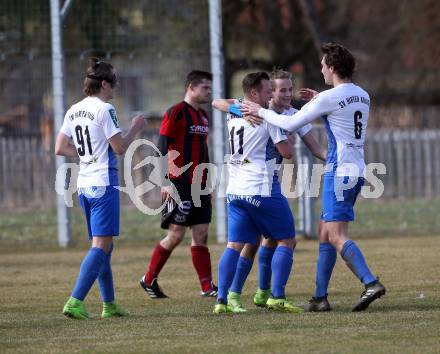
(340,58)
(195,77)
(278,73)
(253,80)
(97,72)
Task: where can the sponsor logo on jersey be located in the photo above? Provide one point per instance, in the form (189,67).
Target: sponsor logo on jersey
(351,145)
(93,160)
(239,161)
(114,117)
(235,161)
(198,129)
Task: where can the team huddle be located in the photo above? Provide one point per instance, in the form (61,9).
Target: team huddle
(259,217)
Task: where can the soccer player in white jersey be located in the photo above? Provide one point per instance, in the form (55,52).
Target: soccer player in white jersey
(344,109)
(93,126)
(282,94)
(254,207)
(281,103)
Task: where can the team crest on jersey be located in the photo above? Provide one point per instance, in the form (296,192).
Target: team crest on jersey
(114,117)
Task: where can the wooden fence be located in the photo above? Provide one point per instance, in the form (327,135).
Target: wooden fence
(412,159)
(27,173)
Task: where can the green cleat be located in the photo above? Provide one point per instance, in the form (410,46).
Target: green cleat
(234,302)
(221,308)
(110,309)
(282,305)
(261,297)
(75,308)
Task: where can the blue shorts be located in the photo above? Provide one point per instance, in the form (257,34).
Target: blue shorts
(101,209)
(337,199)
(249,217)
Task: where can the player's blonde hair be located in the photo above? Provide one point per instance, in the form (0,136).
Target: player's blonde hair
(278,73)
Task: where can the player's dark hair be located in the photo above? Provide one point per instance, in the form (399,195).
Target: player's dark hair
(339,57)
(97,72)
(195,77)
(253,81)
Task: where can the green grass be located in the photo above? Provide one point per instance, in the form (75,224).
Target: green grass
(396,217)
(34,287)
(374,218)
(39,229)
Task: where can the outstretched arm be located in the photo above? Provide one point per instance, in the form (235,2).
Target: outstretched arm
(227,105)
(307,114)
(222,104)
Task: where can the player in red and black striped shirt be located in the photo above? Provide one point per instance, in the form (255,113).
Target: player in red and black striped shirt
(185,129)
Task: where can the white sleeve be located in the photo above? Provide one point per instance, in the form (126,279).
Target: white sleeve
(276,134)
(304,130)
(311,111)
(110,122)
(65,128)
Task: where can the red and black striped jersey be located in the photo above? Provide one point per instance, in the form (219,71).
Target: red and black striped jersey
(187,129)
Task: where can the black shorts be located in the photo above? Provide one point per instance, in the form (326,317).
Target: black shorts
(186,213)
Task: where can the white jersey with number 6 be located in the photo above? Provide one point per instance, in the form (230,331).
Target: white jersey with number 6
(90,123)
(345,110)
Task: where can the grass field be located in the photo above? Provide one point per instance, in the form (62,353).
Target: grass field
(35,285)
(374,218)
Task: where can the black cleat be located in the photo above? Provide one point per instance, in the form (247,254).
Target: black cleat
(318,304)
(211,292)
(153,290)
(372,292)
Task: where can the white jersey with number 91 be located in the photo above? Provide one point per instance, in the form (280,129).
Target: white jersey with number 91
(90,123)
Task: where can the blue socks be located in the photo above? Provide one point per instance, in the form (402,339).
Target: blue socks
(244,266)
(265,255)
(352,255)
(282,261)
(226,271)
(324,268)
(105,279)
(88,272)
